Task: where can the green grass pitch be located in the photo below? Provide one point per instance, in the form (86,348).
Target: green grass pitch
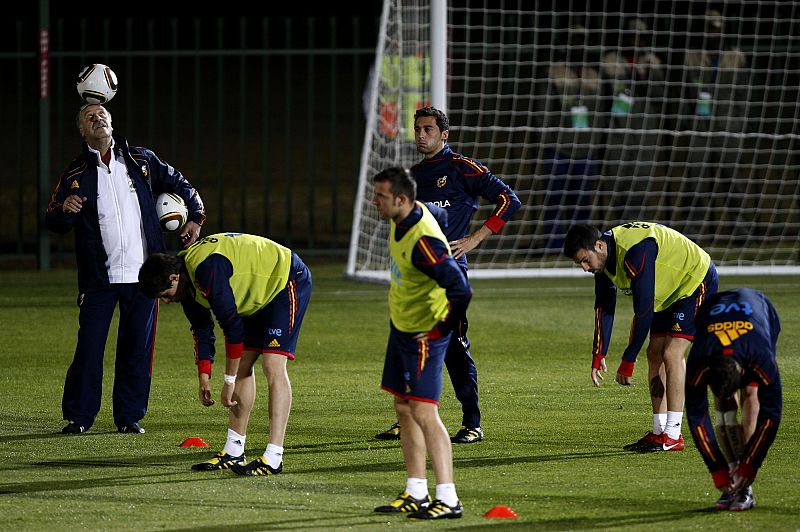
(552,450)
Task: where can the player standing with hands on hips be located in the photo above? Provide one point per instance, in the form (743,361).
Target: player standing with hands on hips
(735,349)
(454,183)
(428,297)
(668,276)
(258,291)
(106,195)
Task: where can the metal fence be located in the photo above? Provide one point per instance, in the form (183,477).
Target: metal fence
(263,115)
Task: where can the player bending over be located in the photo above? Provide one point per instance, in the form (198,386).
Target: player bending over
(258,291)
(735,349)
(668,276)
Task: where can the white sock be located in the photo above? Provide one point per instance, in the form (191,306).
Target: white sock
(273,455)
(417,487)
(447,494)
(234,446)
(674,422)
(659,422)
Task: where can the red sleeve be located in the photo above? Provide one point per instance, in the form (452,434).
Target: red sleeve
(494,223)
(204,366)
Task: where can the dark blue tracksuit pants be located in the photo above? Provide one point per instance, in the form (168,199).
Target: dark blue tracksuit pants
(133,365)
(464,376)
(463,373)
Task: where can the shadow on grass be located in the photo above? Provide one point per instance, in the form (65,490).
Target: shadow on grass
(479,461)
(50,435)
(343,520)
(167,477)
(651,520)
(672,513)
(187,459)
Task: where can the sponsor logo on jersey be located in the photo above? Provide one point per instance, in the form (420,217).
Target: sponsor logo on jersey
(397,277)
(677,327)
(275,332)
(74,184)
(441,203)
(720,308)
(442,181)
(274,343)
(728,331)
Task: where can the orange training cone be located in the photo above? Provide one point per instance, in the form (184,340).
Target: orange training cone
(501,512)
(193,442)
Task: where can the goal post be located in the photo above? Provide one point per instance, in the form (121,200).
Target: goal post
(681,115)
(399,83)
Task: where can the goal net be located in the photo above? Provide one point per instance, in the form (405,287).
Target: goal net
(684,115)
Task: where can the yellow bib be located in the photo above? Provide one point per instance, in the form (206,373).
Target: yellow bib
(416,302)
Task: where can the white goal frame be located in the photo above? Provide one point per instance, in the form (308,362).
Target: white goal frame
(430,29)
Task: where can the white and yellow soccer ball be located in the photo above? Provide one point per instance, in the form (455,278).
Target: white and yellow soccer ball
(97,84)
(172,212)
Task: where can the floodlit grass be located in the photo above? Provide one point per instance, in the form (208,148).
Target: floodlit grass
(552,448)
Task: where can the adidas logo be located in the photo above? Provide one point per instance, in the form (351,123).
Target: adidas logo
(729,331)
(274,343)
(677,327)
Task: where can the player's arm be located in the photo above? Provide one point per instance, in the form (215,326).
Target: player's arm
(605,302)
(770,398)
(431,258)
(169,179)
(640,267)
(202,326)
(212,277)
(65,203)
(480,181)
(699,420)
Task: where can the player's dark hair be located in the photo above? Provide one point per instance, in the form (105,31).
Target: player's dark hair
(441,119)
(724,376)
(580,237)
(154,273)
(400,181)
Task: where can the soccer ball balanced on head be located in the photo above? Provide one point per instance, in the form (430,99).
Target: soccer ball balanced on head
(97,84)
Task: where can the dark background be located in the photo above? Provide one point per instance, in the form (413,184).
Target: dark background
(260,106)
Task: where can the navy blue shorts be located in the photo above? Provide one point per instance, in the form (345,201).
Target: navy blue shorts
(276,327)
(678,320)
(413,368)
